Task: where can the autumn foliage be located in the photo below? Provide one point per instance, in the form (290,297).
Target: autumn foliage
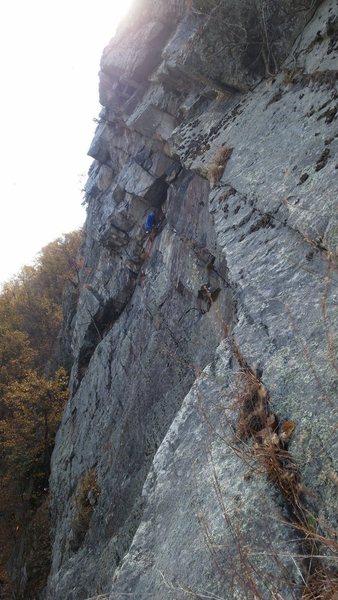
(31,404)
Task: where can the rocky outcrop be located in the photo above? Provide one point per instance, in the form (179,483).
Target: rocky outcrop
(222,117)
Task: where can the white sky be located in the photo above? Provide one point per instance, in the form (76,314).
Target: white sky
(50,52)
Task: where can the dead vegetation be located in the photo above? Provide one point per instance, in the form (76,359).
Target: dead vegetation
(217,167)
(269,451)
(321,586)
(86,496)
(262,441)
(297,76)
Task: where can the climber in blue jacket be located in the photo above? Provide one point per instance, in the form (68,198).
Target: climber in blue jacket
(151,221)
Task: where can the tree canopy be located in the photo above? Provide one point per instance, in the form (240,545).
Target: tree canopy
(31,402)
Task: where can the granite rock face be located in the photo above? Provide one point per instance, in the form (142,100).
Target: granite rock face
(223,118)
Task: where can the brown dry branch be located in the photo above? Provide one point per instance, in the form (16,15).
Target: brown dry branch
(321,586)
(262,441)
(248,571)
(245,574)
(269,448)
(267,454)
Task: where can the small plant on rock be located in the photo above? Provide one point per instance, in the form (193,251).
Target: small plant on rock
(217,167)
(86,496)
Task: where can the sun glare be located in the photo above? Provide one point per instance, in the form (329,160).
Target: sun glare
(120,10)
(48,103)
(114,11)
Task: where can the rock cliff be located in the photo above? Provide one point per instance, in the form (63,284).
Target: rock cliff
(221,116)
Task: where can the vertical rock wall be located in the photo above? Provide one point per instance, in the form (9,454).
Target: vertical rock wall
(223,117)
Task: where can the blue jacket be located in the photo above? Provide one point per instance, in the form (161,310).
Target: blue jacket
(150,221)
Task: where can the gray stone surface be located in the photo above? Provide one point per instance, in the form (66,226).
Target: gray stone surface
(118,417)
(232,44)
(201,505)
(176,510)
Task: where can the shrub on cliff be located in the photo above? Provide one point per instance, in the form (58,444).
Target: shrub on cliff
(32,301)
(33,409)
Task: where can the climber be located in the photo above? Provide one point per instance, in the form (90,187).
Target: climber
(151,227)
(151,222)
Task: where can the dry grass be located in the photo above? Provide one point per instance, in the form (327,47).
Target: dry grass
(321,586)
(270,440)
(86,495)
(217,167)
